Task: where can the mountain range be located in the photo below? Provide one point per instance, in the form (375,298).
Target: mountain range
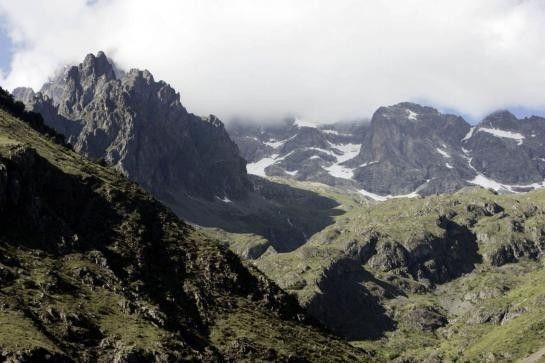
(405,149)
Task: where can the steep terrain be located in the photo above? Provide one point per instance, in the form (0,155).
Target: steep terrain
(92,268)
(405,149)
(454,277)
(139,127)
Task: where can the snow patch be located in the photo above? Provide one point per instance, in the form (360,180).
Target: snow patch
(443,153)
(334,132)
(382,198)
(489,183)
(449,166)
(292,173)
(224,199)
(329,152)
(304,123)
(504,134)
(411,115)
(276,144)
(469,134)
(348,151)
(258,167)
(369,163)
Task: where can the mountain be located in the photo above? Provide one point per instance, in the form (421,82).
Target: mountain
(405,149)
(93,269)
(298,150)
(139,127)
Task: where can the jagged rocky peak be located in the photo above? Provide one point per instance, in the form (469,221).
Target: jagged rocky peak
(139,126)
(96,66)
(214,121)
(402,111)
(501,119)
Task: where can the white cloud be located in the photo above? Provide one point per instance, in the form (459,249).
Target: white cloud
(322,60)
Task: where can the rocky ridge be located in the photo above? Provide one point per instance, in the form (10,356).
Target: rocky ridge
(139,126)
(92,268)
(405,149)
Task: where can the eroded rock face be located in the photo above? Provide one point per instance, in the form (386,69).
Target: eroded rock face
(139,126)
(410,146)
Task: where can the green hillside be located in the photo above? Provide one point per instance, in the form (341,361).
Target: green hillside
(93,269)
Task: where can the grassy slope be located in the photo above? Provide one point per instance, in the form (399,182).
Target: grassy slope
(54,296)
(521,285)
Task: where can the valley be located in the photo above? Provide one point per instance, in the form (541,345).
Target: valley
(412,236)
(445,278)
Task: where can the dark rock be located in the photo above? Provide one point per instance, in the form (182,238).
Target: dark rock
(425,318)
(140,127)
(32,355)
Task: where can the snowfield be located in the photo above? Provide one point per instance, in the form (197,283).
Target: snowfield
(469,134)
(504,134)
(348,151)
(488,183)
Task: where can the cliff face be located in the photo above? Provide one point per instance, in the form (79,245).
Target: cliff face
(92,268)
(140,127)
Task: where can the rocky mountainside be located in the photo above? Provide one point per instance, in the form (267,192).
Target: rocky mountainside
(443,278)
(405,149)
(93,269)
(139,127)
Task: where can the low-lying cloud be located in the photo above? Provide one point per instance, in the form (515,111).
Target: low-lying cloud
(322,60)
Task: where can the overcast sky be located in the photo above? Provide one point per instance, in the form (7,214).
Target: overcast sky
(321,60)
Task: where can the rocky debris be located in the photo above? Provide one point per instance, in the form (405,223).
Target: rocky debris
(390,255)
(485,293)
(498,315)
(292,281)
(425,318)
(512,251)
(434,258)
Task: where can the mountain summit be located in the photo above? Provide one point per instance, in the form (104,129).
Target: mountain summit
(140,126)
